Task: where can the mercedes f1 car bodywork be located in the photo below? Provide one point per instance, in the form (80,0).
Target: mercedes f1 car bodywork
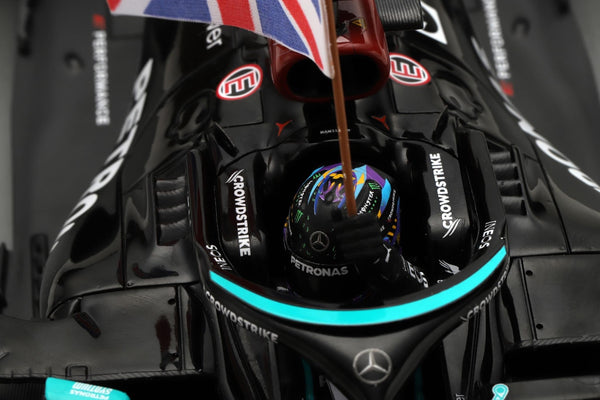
(169,278)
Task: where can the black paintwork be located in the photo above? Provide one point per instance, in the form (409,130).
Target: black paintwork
(125,294)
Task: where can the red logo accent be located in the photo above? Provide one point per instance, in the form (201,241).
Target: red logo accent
(99,21)
(383,121)
(281,126)
(240,83)
(507,88)
(406,71)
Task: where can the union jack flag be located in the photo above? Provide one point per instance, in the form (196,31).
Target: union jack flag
(300,25)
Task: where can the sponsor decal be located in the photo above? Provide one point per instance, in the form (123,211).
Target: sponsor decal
(486,236)
(213,36)
(100,67)
(67,389)
(448,221)
(488,298)
(331,131)
(237,181)
(540,142)
(382,121)
(549,150)
(90,391)
(318,241)
(241,321)
(369,202)
(372,366)
(497,44)
(113,163)
(393,208)
(317,271)
(500,391)
(300,199)
(240,83)
(450,269)
(359,23)
(406,71)
(281,126)
(417,275)
(217,257)
(366,316)
(452,228)
(432,24)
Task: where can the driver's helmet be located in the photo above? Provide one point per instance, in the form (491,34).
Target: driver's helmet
(315,266)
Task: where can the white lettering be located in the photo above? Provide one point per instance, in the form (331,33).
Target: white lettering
(114,161)
(213,36)
(241,321)
(101,78)
(541,142)
(239,200)
(439,177)
(497,43)
(317,271)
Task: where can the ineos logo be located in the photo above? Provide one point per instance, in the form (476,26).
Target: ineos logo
(372,366)
(240,83)
(319,241)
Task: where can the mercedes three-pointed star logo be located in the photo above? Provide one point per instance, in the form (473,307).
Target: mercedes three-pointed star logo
(372,366)
(319,241)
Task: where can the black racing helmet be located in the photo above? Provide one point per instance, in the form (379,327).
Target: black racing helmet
(316,267)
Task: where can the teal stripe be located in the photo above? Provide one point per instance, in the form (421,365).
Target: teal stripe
(62,389)
(308,381)
(370,316)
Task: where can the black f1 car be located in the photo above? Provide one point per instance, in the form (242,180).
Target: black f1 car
(170,278)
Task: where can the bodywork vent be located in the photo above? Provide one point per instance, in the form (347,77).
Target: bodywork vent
(172,209)
(509,180)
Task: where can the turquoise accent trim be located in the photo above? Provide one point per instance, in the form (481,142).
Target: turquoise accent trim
(358,173)
(370,316)
(308,381)
(500,391)
(62,389)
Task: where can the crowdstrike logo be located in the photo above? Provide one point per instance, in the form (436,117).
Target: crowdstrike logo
(241,321)
(448,221)
(237,181)
(452,228)
(488,298)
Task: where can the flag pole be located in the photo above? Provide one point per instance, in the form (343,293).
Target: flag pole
(340,112)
